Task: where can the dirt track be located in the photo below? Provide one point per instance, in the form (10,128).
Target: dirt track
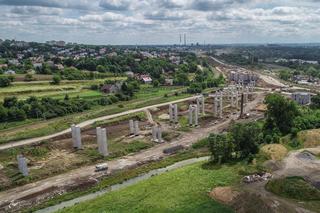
(33,190)
(292,165)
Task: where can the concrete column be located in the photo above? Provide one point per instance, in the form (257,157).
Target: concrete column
(171,112)
(221,105)
(232,99)
(198,105)
(22,165)
(73,133)
(202,105)
(237,99)
(196,115)
(155,133)
(175,110)
(131,127)
(190,115)
(99,137)
(104,143)
(78,138)
(136,128)
(215,106)
(159,135)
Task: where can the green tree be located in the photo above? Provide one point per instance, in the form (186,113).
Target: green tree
(28,77)
(101,68)
(156,83)
(4,81)
(246,138)
(315,102)
(284,75)
(280,114)
(56,80)
(221,147)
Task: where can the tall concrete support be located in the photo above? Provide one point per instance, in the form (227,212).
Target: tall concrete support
(104,143)
(73,133)
(173,113)
(131,127)
(237,99)
(193,115)
(200,105)
(76,137)
(154,133)
(242,106)
(22,165)
(196,116)
(157,134)
(136,128)
(190,113)
(246,93)
(216,103)
(99,137)
(221,105)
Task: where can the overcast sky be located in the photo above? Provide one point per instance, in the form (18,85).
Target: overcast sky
(161,21)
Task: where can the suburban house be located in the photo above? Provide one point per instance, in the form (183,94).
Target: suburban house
(145,79)
(10,72)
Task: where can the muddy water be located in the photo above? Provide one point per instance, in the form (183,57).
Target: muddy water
(122,185)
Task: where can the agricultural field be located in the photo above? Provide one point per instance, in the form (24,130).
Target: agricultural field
(182,190)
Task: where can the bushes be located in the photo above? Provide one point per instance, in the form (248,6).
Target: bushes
(14,110)
(4,81)
(293,187)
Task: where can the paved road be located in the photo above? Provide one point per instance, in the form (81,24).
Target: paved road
(86,123)
(33,190)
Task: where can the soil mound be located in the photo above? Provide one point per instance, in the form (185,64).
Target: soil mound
(224,194)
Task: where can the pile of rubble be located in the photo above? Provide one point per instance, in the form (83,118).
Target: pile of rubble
(257,177)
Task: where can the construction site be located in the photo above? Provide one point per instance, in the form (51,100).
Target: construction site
(33,172)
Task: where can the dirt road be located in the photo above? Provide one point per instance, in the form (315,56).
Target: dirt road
(268,79)
(295,164)
(87,123)
(14,197)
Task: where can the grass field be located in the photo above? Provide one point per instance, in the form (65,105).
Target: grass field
(23,90)
(36,128)
(183,190)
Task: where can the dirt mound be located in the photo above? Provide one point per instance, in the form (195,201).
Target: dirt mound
(275,151)
(224,194)
(254,203)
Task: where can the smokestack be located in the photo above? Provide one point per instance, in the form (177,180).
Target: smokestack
(180,39)
(185,40)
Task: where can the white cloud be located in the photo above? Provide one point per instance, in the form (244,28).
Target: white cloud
(211,20)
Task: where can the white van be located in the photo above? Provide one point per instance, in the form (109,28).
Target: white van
(101,167)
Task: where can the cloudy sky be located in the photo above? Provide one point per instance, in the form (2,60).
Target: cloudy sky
(161,21)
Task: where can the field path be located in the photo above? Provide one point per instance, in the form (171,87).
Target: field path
(87,123)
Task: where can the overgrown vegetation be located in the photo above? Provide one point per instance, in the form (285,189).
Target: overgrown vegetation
(294,188)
